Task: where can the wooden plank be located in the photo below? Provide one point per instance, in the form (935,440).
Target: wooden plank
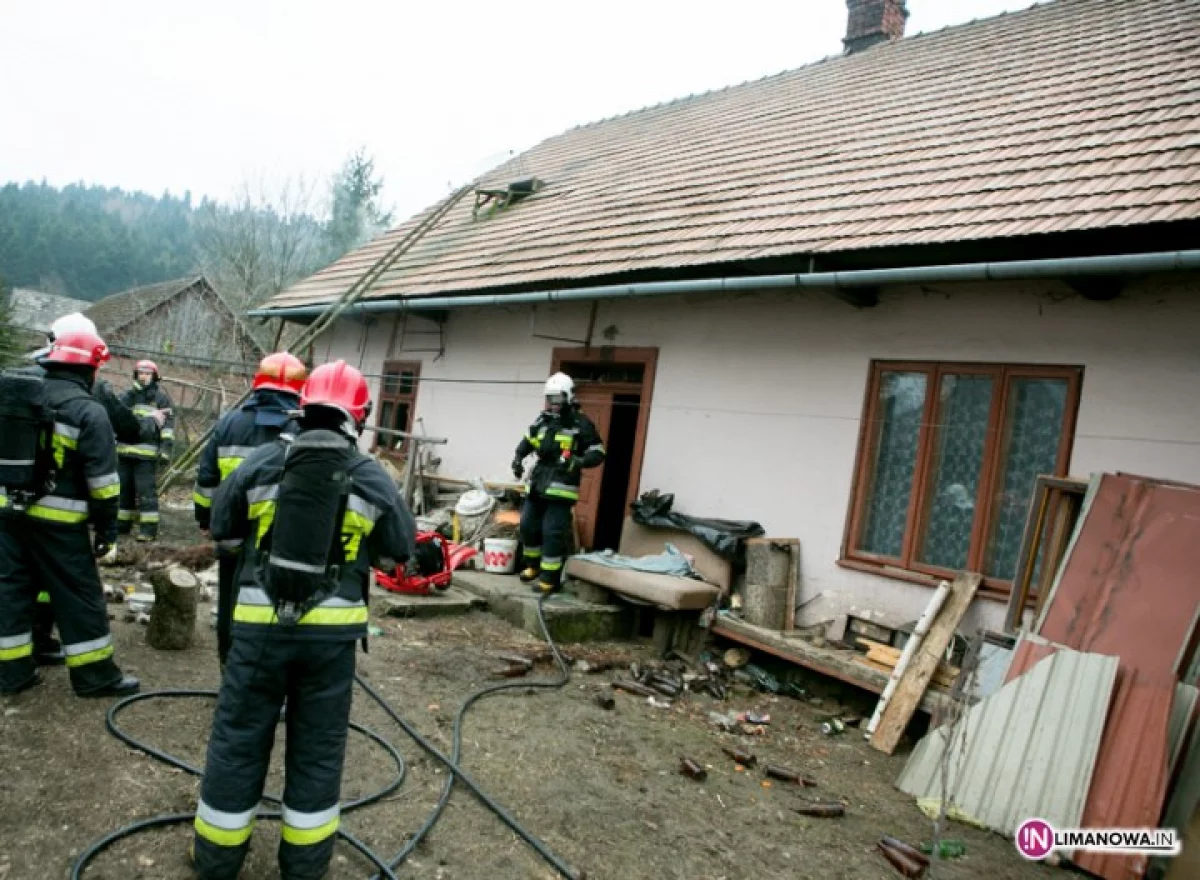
(889,657)
(1019,592)
(939,681)
(834,663)
(924,664)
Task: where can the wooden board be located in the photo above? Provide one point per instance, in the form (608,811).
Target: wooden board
(833,662)
(924,664)
(939,682)
(886,655)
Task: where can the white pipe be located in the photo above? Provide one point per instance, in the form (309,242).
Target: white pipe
(910,648)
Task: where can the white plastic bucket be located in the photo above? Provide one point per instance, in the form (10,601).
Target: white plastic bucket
(499,555)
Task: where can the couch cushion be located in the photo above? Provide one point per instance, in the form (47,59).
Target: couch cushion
(639,540)
(663,590)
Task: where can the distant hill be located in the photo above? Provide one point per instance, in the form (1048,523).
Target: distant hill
(89,241)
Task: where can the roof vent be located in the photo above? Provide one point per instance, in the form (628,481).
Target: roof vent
(499,199)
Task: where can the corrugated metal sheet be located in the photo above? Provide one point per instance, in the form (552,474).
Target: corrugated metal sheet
(1027,750)
(1129,780)
(1070,115)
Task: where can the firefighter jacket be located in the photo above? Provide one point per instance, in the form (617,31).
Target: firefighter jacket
(143,400)
(239,432)
(127,427)
(377,530)
(86,485)
(566,443)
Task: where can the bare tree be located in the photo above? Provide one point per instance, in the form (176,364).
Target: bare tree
(267,239)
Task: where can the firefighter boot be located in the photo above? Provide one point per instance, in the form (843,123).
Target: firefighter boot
(147,531)
(530,574)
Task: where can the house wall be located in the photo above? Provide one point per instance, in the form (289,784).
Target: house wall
(757,398)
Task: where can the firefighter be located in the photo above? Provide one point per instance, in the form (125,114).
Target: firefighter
(566,442)
(47,650)
(275,395)
(44,540)
(314,514)
(139,496)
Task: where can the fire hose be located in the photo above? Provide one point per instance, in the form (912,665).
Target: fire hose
(385,868)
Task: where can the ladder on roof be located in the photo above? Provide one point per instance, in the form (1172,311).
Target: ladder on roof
(325,320)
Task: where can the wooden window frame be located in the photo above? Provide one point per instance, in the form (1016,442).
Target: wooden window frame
(382,444)
(906,567)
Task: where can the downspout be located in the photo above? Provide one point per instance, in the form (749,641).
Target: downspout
(1120,264)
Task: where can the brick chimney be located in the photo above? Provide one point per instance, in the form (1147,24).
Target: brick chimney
(873,21)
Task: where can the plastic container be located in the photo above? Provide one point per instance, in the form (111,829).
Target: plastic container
(500,555)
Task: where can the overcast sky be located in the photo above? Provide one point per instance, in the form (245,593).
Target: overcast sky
(153,95)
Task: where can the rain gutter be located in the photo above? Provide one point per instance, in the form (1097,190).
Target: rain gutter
(1071,267)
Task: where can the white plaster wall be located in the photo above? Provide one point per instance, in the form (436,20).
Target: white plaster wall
(757,398)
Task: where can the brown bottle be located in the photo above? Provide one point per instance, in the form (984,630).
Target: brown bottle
(777,772)
(743,756)
(822,810)
(688,767)
(910,852)
(633,687)
(901,862)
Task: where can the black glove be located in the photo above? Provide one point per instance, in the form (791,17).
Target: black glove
(518,468)
(574,464)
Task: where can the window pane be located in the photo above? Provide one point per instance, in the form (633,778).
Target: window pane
(385,420)
(407,382)
(1034,416)
(401,421)
(964,404)
(897,427)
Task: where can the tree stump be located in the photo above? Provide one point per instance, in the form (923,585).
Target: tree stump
(173,618)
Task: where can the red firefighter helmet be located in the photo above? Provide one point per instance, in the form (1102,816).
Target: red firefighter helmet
(338,385)
(281,372)
(146,367)
(77,347)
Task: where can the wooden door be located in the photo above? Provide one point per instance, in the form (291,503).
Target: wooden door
(597,405)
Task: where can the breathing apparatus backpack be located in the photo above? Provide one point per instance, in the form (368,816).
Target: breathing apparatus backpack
(27,468)
(304,542)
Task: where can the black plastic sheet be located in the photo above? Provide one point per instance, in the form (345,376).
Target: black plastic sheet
(724,537)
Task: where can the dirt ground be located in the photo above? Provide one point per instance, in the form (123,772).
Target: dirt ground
(601,788)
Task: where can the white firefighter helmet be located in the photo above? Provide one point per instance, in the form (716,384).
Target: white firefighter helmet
(76,322)
(560,383)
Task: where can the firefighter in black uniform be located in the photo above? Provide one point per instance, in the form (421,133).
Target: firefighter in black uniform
(314,514)
(566,442)
(261,419)
(47,650)
(139,496)
(44,540)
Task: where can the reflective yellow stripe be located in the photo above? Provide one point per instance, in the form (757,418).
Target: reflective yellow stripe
(16,653)
(90,657)
(227,466)
(105,492)
(126,515)
(221,836)
(141,450)
(355,527)
(551,564)
(533,551)
(44,597)
(319,616)
(264,512)
(309,836)
(569,495)
(535,442)
(51,514)
(201,500)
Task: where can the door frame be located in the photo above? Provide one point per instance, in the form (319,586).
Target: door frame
(610,354)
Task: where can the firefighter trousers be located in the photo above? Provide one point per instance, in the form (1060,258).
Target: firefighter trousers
(36,556)
(545,535)
(227,566)
(316,678)
(139,497)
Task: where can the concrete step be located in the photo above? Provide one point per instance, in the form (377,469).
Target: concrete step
(568,618)
(442,603)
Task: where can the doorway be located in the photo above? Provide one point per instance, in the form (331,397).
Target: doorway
(614,387)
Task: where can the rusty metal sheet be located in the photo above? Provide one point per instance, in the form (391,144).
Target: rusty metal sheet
(1129,586)
(1086,118)
(1129,780)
